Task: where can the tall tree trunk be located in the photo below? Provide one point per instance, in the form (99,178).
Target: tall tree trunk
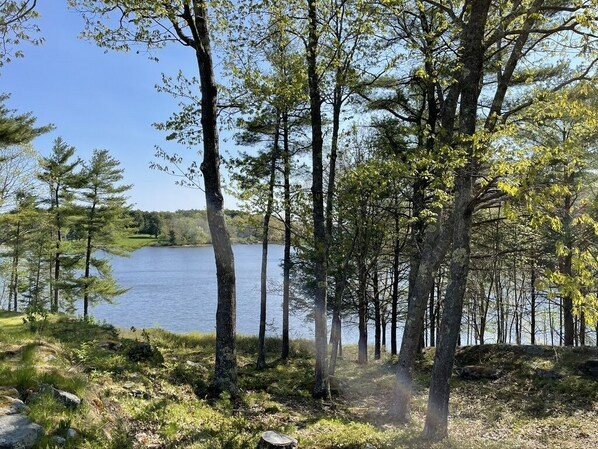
(566,263)
(377,318)
(436,243)
(57,255)
(86,273)
(362,355)
(261,347)
(321,385)
(225,378)
(533,307)
(436,426)
(286,281)
(395,290)
(432,317)
(582,329)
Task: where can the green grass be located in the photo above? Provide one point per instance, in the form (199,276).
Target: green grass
(137,241)
(168,404)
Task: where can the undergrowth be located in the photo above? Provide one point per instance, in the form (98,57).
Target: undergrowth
(165,401)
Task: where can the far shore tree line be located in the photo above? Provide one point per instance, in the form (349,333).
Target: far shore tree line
(190,227)
(433,164)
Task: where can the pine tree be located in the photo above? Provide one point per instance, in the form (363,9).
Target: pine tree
(59,176)
(103,221)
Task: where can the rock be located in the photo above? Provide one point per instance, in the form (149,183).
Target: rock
(193,364)
(18,432)
(547,374)
(477,372)
(111,345)
(144,352)
(71,434)
(70,400)
(58,441)
(589,368)
(9,391)
(275,440)
(12,406)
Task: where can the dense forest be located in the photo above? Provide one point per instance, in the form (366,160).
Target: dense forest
(430,168)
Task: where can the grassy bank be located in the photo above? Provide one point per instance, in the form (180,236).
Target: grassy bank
(164,401)
(137,241)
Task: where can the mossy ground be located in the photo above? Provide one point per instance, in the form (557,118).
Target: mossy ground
(167,404)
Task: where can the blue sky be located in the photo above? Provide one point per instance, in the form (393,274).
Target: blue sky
(102,100)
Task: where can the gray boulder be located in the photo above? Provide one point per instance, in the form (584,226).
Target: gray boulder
(18,432)
(58,441)
(12,406)
(274,440)
(70,400)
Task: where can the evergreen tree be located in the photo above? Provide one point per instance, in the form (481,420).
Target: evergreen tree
(59,176)
(104,219)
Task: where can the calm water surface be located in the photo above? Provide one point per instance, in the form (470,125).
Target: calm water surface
(175,289)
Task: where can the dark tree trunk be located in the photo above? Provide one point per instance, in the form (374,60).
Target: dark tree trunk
(321,385)
(566,263)
(335,339)
(286,285)
(261,349)
(362,355)
(533,306)
(582,329)
(14,287)
(225,372)
(377,318)
(436,426)
(436,243)
(57,257)
(86,273)
(432,317)
(395,290)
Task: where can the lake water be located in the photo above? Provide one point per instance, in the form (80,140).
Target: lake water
(175,289)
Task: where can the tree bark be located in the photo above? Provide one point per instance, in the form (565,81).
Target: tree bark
(395,290)
(436,426)
(377,317)
(286,282)
(321,385)
(261,347)
(225,378)
(436,242)
(533,305)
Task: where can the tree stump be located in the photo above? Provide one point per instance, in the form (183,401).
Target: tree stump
(275,440)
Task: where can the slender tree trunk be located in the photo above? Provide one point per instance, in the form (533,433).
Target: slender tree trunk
(335,339)
(286,282)
(566,264)
(87,272)
(436,426)
(362,356)
(261,350)
(432,317)
(533,305)
(321,385)
(395,290)
(57,256)
(582,329)
(225,378)
(377,318)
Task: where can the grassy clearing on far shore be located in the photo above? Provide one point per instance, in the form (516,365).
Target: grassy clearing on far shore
(164,402)
(137,241)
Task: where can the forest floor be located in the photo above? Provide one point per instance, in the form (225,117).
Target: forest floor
(539,400)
